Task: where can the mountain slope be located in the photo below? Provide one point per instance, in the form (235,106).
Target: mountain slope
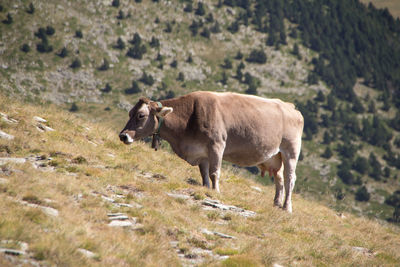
(67,183)
(337,60)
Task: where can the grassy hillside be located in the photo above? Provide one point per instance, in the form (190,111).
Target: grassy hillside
(96,58)
(59,203)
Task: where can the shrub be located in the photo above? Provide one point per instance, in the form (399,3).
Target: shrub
(76,63)
(227,63)
(181,77)
(115,3)
(78,34)
(147,79)
(50,30)
(31,9)
(174,64)
(120,44)
(206,33)
(362,194)
(44,46)
(394,199)
(327,153)
(73,108)
(8,20)
(188,8)
(121,15)
(154,42)
(105,66)
(257,56)
(107,88)
(134,89)
(25,48)
(136,40)
(200,11)
(63,52)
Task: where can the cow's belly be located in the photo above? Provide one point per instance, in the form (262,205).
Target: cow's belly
(249,154)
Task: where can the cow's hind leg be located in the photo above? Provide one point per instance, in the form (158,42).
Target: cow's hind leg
(215,160)
(204,171)
(275,169)
(278,179)
(290,157)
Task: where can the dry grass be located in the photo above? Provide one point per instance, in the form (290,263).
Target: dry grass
(312,235)
(392,5)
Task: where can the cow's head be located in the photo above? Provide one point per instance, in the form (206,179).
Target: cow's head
(143,120)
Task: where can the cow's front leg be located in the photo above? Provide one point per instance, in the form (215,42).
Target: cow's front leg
(215,154)
(204,171)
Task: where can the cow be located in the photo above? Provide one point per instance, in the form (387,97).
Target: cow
(203,128)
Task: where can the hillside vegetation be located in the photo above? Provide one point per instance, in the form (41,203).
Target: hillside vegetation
(72,194)
(337,60)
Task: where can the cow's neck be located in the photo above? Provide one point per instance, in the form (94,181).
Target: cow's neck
(175,123)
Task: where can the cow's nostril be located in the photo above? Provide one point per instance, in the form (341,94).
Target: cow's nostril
(123,137)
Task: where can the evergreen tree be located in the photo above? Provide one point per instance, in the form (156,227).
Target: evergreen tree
(120,44)
(320,96)
(174,64)
(362,194)
(105,66)
(115,3)
(361,165)
(155,42)
(9,20)
(73,108)
(206,33)
(134,89)
(78,34)
(327,153)
(257,56)
(63,52)
(107,88)
(181,77)
(327,139)
(76,63)
(25,48)
(224,79)
(188,8)
(227,63)
(50,30)
(200,11)
(31,9)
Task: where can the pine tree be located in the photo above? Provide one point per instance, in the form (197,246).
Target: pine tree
(63,52)
(31,9)
(76,64)
(200,11)
(120,44)
(25,48)
(115,3)
(105,66)
(362,194)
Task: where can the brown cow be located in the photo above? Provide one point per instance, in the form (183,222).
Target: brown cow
(205,127)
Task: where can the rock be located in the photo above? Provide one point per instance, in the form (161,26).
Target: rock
(6,136)
(121,217)
(47,210)
(12,160)
(39,119)
(4,117)
(218,205)
(256,188)
(118,223)
(208,232)
(12,252)
(277,265)
(87,253)
(108,199)
(178,196)
(44,128)
(364,251)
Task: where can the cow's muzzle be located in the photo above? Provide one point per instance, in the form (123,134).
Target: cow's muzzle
(124,137)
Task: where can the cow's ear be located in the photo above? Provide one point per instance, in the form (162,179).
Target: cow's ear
(164,111)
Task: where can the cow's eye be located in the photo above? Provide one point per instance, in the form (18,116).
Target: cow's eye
(140,116)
